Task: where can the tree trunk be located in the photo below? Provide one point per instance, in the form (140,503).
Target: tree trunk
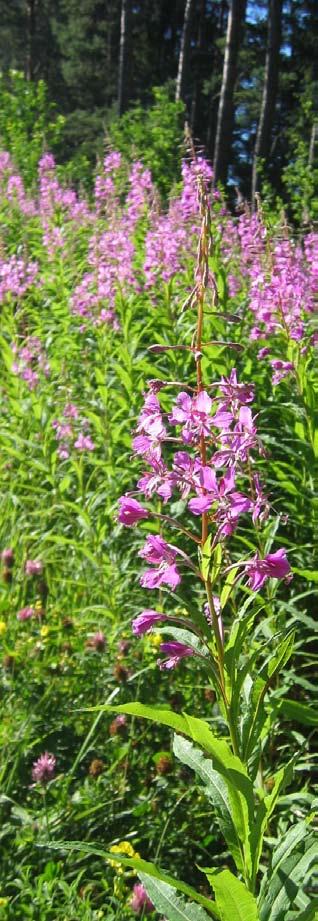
(195,107)
(224,128)
(31,27)
(184,51)
(124,56)
(270,86)
(312,145)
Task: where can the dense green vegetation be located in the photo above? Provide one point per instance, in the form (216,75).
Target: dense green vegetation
(87,286)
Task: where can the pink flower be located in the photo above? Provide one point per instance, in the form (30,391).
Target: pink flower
(146,620)
(33,567)
(281,369)
(118,725)
(97,641)
(194,413)
(274,566)
(130,511)
(84,443)
(140,901)
(162,556)
(150,420)
(176,652)
(156,550)
(218,611)
(235,392)
(158,481)
(7,557)
(44,768)
(231,504)
(25,613)
(184,469)
(70,411)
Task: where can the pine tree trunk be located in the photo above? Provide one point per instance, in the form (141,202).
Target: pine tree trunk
(195,107)
(184,51)
(124,56)
(270,86)
(31,27)
(224,128)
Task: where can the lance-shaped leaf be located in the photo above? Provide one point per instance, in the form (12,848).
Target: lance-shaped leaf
(168,903)
(240,789)
(216,791)
(142,867)
(294,710)
(265,810)
(293,863)
(233,899)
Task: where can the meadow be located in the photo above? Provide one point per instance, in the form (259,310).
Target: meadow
(159,511)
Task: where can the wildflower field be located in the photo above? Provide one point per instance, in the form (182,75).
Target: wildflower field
(159,551)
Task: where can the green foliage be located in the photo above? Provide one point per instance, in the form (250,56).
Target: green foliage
(222,801)
(232,897)
(29,124)
(153,135)
(165,900)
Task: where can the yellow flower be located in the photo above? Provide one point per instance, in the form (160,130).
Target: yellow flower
(38,605)
(119,889)
(3,628)
(44,631)
(123,848)
(155,640)
(3,902)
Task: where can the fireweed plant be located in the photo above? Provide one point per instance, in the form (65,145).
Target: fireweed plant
(204,447)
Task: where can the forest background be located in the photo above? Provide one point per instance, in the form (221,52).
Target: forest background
(243,74)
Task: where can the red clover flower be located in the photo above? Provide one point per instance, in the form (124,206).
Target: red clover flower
(43,769)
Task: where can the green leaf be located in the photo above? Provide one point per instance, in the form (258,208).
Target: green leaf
(302,713)
(282,654)
(265,810)
(292,863)
(310,913)
(211,560)
(227,588)
(141,866)
(239,786)
(206,557)
(216,563)
(233,899)
(255,715)
(311,575)
(216,791)
(166,901)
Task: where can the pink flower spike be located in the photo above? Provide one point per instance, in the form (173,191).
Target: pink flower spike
(130,511)
(44,768)
(176,652)
(146,620)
